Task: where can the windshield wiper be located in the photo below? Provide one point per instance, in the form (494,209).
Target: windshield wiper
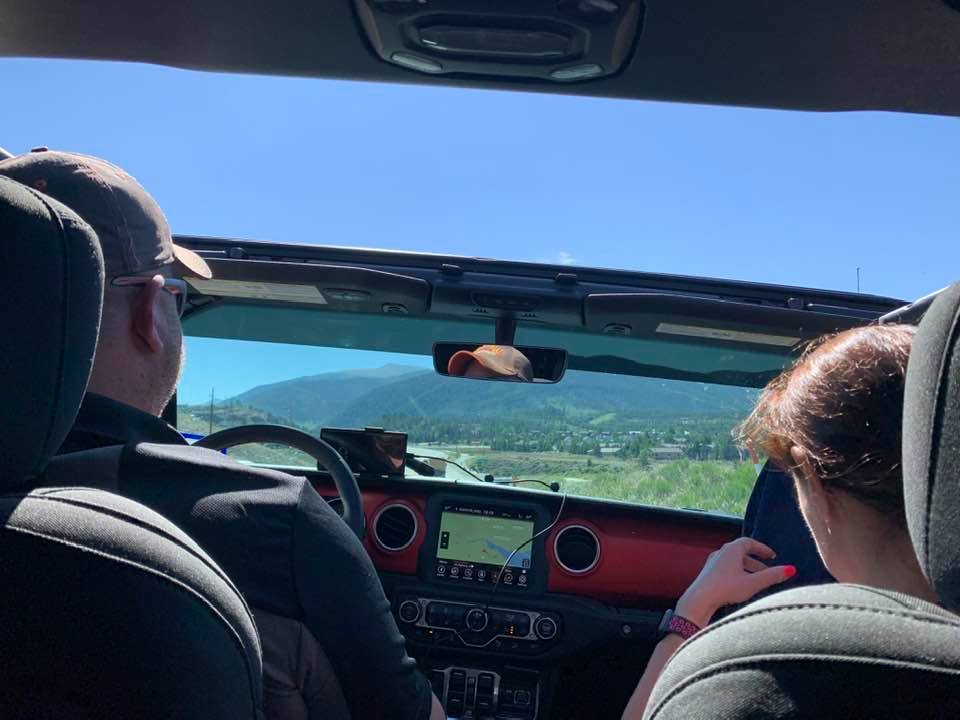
(422,468)
(427,470)
(413,462)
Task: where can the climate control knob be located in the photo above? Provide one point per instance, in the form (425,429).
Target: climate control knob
(409,611)
(476,619)
(545,628)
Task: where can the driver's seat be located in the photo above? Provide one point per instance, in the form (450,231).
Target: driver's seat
(846,651)
(106,609)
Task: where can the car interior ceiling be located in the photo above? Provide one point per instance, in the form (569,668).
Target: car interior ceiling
(818,55)
(571,641)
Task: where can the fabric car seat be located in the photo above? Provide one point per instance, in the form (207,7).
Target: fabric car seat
(107,610)
(847,651)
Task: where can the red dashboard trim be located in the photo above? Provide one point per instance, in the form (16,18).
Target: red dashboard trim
(640,559)
(401,561)
(643,558)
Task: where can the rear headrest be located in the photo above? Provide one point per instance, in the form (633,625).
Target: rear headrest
(52,283)
(931,446)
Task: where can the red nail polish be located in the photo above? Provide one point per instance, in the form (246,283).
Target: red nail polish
(789,571)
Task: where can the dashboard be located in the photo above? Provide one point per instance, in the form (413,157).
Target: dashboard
(520,604)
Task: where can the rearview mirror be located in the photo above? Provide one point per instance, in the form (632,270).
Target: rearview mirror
(505,363)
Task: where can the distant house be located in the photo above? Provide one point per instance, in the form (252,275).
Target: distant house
(666,453)
(609,450)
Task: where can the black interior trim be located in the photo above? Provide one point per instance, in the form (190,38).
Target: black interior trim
(527,276)
(379,287)
(814,55)
(645,311)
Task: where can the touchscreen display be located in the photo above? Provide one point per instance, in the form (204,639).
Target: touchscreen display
(369,451)
(475,543)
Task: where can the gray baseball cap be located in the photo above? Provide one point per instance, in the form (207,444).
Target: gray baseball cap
(133,232)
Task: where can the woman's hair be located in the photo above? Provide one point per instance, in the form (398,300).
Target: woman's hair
(842,403)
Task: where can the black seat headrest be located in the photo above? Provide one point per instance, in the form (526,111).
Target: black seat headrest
(931,447)
(111,611)
(49,321)
(812,653)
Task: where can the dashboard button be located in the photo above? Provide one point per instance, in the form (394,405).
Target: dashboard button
(477,620)
(468,574)
(455,615)
(409,611)
(521,697)
(522,580)
(436,614)
(441,570)
(523,625)
(508,578)
(485,683)
(454,572)
(458,681)
(545,628)
(455,707)
(481,575)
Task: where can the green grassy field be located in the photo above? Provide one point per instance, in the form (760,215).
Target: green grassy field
(707,485)
(715,486)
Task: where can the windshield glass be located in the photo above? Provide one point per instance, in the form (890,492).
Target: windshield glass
(648,440)
(853,201)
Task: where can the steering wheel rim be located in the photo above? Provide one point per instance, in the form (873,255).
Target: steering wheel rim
(320,450)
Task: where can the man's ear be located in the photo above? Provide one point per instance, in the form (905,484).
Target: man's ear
(146,314)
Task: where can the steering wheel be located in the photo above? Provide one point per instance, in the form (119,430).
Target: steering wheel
(321,451)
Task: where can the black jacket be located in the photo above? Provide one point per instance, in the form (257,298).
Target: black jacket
(285,549)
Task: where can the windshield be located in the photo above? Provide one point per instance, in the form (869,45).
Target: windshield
(842,201)
(646,440)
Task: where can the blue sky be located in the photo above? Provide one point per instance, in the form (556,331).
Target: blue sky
(785,197)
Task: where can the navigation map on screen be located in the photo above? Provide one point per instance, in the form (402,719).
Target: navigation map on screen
(484,539)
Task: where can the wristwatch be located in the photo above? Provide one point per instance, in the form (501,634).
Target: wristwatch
(673,624)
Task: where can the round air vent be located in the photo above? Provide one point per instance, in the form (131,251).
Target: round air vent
(395,527)
(577,549)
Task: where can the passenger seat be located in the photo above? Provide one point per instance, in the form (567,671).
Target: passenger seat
(849,651)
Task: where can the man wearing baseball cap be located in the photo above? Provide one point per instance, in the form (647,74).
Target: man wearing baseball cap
(315,593)
(139,357)
(491,362)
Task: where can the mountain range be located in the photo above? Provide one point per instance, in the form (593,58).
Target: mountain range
(355,398)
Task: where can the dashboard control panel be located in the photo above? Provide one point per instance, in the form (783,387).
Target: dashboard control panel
(478,544)
(470,625)
(482,544)
(481,694)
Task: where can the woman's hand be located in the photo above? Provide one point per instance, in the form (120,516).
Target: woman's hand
(733,574)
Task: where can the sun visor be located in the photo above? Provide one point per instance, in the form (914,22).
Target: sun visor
(709,321)
(334,287)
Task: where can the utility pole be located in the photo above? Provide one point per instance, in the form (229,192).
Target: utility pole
(210,425)
(858,280)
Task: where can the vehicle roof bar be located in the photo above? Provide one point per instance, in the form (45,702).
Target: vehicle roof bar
(910,313)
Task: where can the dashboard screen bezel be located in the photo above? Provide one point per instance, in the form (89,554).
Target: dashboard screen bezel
(427,560)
